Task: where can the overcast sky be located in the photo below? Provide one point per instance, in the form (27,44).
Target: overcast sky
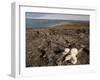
(32,15)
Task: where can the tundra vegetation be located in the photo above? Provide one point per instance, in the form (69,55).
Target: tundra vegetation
(57,45)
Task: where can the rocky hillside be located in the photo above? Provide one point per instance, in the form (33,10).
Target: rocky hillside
(44,46)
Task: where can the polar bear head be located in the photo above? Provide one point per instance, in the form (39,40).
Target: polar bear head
(74,51)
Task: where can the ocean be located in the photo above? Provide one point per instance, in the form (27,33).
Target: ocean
(39,23)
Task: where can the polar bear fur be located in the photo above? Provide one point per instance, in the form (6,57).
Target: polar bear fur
(66,51)
(72,55)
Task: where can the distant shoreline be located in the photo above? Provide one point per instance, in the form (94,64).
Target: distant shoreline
(64,25)
(31,23)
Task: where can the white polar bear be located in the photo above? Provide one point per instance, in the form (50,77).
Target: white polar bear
(66,51)
(72,55)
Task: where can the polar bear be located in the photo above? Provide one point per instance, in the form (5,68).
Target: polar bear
(72,55)
(66,51)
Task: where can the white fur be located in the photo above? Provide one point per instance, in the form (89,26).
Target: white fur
(66,51)
(72,56)
(74,51)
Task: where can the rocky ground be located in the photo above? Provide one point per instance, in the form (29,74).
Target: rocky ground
(44,46)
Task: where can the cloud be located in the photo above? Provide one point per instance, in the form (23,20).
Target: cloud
(32,15)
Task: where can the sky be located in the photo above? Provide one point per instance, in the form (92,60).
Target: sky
(49,19)
(32,15)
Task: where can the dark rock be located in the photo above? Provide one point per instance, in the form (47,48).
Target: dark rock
(44,47)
